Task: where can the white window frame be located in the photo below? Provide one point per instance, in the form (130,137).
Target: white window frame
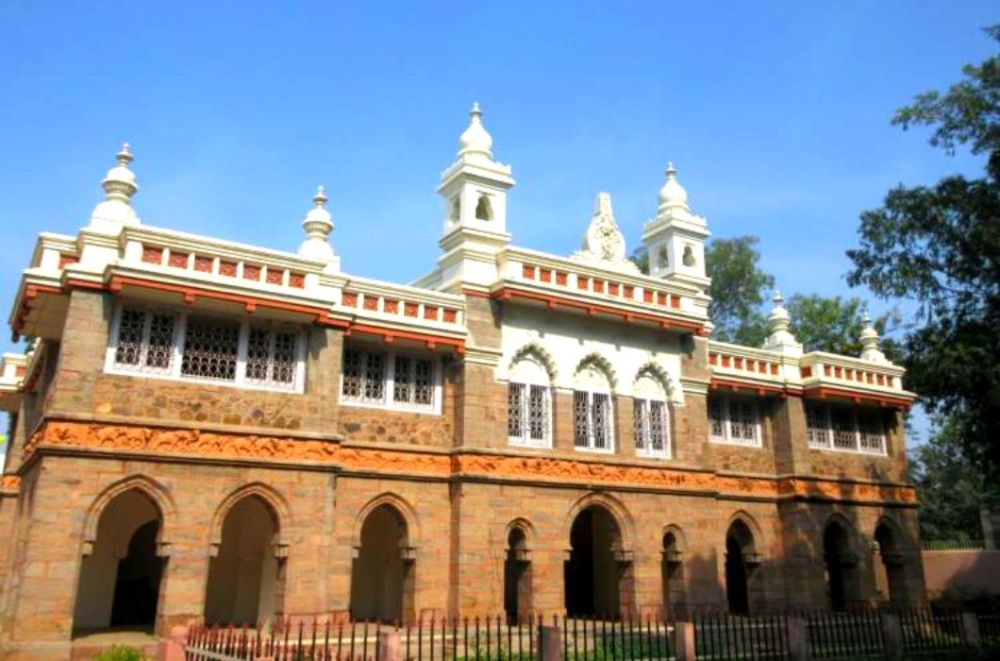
(642,425)
(525,439)
(726,438)
(389,383)
(824,440)
(610,432)
(173,373)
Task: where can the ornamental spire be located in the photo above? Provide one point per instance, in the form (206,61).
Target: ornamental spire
(779,323)
(672,195)
(871,343)
(475,142)
(318,224)
(116,211)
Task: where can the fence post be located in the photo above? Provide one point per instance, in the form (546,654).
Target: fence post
(684,641)
(171,648)
(549,643)
(892,634)
(970,630)
(389,646)
(798,638)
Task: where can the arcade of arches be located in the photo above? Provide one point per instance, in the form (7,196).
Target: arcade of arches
(122,574)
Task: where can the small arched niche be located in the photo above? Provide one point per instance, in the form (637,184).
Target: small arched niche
(517,589)
(484,209)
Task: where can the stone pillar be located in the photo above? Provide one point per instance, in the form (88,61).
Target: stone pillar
(549,643)
(389,646)
(684,649)
(892,635)
(171,648)
(970,628)
(798,638)
(182,591)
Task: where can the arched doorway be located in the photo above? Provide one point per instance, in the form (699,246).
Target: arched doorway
(672,575)
(841,566)
(517,577)
(383,572)
(890,573)
(597,575)
(741,560)
(244,577)
(119,584)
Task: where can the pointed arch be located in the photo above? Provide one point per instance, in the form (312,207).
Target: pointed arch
(484,208)
(402,507)
(537,351)
(619,513)
(156,492)
(524,525)
(680,539)
(601,363)
(902,539)
(747,520)
(276,504)
(655,371)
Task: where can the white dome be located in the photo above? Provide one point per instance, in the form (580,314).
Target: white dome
(673,195)
(475,140)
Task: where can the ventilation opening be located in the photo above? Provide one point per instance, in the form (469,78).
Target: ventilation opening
(484,211)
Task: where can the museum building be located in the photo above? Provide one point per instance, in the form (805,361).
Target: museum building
(207,431)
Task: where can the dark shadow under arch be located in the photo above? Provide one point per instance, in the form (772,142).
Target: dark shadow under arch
(598,574)
(383,570)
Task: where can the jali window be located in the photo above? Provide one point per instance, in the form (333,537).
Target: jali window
(529,404)
(845,427)
(379,378)
(733,419)
(592,416)
(650,417)
(202,348)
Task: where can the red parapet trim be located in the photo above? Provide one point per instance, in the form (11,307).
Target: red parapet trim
(822,392)
(628,316)
(759,388)
(475,293)
(31,292)
(390,335)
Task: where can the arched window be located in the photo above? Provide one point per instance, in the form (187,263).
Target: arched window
(592,415)
(529,410)
(484,211)
(651,417)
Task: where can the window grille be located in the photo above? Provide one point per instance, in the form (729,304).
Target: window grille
(384,379)
(528,414)
(145,341)
(179,345)
(272,357)
(845,428)
(211,349)
(592,420)
(733,419)
(649,425)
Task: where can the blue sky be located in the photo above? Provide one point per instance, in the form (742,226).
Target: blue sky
(776,114)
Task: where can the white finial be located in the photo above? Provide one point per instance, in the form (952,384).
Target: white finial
(672,195)
(318,224)
(779,323)
(119,186)
(475,142)
(602,206)
(871,343)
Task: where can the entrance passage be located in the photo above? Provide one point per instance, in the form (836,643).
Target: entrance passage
(383,571)
(841,567)
(244,577)
(740,557)
(593,579)
(516,577)
(119,584)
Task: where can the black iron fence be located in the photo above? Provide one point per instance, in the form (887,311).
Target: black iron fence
(859,634)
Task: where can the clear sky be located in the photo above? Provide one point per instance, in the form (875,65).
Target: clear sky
(776,114)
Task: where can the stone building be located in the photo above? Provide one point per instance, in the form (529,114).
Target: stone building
(209,431)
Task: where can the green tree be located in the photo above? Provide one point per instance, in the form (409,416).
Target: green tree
(951,488)
(739,288)
(833,324)
(939,245)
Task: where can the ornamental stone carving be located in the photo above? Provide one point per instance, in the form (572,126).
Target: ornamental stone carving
(603,243)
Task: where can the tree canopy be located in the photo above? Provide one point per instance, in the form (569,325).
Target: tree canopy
(939,246)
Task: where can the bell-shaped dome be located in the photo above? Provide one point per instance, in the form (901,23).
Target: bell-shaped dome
(475,141)
(318,224)
(673,195)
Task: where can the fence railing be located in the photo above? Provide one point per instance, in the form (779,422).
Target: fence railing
(858,634)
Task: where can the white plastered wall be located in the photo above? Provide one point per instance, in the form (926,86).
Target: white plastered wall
(568,339)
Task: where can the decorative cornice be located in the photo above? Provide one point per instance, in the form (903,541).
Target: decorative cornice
(458,464)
